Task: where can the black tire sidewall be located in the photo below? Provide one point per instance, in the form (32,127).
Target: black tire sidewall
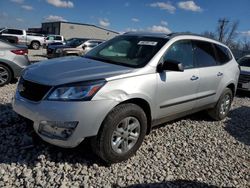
(9,72)
(109,125)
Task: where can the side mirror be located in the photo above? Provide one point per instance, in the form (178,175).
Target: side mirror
(170,65)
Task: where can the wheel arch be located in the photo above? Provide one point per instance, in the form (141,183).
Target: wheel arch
(145,106)
(232,87)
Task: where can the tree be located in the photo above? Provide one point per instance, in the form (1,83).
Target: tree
(227,31)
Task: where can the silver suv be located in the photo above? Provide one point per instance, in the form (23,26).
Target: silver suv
(122,88)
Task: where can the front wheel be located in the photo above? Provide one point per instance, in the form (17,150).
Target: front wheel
(121,134)
(222,107)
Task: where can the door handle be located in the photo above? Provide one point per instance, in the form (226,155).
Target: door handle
(219,74)
(194,78)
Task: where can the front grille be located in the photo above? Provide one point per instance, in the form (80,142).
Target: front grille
(244,78)
(32,91)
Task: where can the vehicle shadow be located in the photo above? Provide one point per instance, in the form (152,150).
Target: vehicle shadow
(238,124)
(174,183)
(20,144)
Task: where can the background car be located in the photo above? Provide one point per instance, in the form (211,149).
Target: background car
(13,59)
(74,47)
(52,39)
(244,79)
(33,41)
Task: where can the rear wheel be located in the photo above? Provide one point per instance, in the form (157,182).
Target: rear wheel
(5,75)
(121,134)
(222,107)
(35,45)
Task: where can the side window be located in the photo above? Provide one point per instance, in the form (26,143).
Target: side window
(6,31)
(58,38)
(181,51)
(50,38)
(15,32)
(204,54)
(223,54)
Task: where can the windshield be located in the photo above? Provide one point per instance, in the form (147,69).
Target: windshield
(75,42)
(245,62)
(131,51)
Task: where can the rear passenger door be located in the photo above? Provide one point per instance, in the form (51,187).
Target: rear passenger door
(210,72)
(176,91)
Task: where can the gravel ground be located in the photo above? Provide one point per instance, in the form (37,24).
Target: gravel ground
(37,55)
(191,152)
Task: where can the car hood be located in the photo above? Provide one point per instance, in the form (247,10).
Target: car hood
(71,69)
(245,70)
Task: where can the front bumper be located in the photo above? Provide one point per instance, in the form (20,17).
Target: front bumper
(89,114)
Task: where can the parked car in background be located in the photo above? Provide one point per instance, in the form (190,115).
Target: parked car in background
(53,39)
(10,39)
(244,79)
(13,59)
(122,88)
(34,42)
(74,47)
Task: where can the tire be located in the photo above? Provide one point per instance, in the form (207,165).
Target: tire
(35,45)
(5,75)
(220,111)
(113,130)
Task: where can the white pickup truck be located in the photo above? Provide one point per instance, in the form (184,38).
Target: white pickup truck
(32,41)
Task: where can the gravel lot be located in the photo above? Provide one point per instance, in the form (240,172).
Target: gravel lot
(190,152)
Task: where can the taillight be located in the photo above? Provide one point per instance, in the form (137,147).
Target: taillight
(20,52)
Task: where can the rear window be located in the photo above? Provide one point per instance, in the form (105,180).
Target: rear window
(223,53)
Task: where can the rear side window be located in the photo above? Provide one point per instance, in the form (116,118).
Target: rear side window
(204,54)
(182,52)
(223,53)
(58,38)
(14,32)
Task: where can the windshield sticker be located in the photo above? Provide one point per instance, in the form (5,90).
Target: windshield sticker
(149,43)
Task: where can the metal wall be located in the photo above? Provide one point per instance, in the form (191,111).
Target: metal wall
(70,30)
(51,28)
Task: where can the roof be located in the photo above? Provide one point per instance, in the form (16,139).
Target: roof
(169,35)
(75,23)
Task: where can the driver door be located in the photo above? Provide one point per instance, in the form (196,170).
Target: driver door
(177,90)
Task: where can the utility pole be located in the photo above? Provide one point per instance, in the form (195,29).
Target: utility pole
(222,24)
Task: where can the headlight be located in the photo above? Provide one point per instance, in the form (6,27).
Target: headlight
(75,92)
(58,51)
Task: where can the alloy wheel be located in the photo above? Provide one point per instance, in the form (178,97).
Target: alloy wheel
(125,135)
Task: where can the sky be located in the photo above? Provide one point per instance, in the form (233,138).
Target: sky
(194,16)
